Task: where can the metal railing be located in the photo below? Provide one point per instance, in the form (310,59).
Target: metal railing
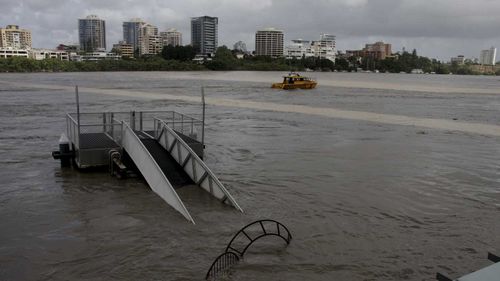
(138,120)
(110,126)
(223,263)
(191,163)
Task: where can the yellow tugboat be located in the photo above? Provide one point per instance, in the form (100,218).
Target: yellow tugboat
(295,81)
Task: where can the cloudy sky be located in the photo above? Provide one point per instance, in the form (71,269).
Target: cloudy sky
(436,28)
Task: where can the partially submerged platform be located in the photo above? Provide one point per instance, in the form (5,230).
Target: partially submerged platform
(166,147)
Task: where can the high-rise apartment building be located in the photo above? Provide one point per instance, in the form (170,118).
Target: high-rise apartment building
(92,33)
(14,37)
(488,57)
(269,42)
(171,37)
(150,42)
(204,34)
(131,32)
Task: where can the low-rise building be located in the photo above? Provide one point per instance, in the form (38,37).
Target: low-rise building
(69,48)
(460,60)
(378,50)
(42,54)
(324,48)
(125,49)
(11,52)
(298,49)
(96,56)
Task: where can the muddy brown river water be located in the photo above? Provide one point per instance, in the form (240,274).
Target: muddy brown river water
(377,176)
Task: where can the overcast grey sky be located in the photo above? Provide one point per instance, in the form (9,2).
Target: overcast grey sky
(436,28)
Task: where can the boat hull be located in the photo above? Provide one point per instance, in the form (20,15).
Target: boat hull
(287,86)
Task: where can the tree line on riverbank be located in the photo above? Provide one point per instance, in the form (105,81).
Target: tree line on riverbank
(180,58)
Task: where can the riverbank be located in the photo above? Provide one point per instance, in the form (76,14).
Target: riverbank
(226,62)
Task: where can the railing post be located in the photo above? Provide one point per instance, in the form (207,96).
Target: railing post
(121,136)
(140,121)
(78,114)
(203,123)
(182,123)
(104,122)
(132,120)
(112,121)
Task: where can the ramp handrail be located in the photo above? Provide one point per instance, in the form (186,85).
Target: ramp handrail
(207,180)
(151,171)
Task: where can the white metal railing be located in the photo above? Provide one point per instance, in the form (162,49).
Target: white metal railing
(138,120)
(151,171)
(194,167)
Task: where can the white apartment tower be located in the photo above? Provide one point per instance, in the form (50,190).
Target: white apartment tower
(171,37)
(269,42)
(150,42)
(488,57)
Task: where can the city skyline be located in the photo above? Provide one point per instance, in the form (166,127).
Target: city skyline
(440,29)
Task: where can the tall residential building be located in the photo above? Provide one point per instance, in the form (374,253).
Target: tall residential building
(131,32)
(14,37)
(92,33)
(171,37)
(204,34)
(269,42)
(488,57)
(150,42)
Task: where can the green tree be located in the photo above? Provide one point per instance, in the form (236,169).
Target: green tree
(181,53)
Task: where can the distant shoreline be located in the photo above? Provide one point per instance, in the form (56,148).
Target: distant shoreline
(28,65)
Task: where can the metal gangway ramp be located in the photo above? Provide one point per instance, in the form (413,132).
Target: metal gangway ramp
(161,144)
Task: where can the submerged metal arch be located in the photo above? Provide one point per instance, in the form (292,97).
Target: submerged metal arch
(279,230)
(221,265)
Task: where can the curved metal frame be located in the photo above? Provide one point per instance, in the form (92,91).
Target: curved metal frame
(287,239)
(231,253)
(221,264)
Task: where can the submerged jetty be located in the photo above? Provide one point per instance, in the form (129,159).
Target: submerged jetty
(165,147)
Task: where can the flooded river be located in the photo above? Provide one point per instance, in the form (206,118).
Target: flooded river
(377,176)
